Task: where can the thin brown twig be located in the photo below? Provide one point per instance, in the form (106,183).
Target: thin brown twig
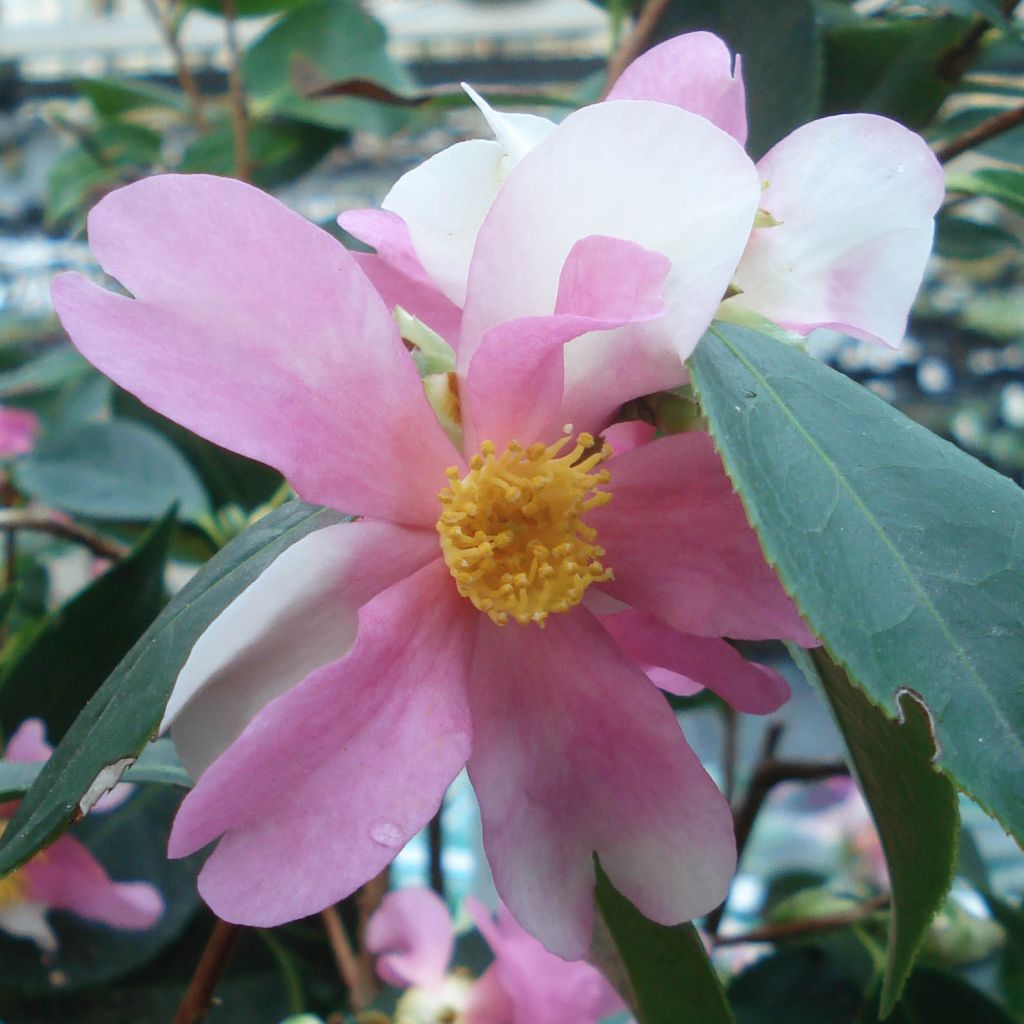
(636,42)
(171,32)
(236,90)
(808,925)
(196,1003)
(12,519)
(992,126)
(368,900)
(345,958)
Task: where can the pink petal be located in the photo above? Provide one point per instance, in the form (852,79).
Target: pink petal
(706,661)
(621,437)
(18,429)
(856,195)
(329,781)
(396,272)
(257,330)
(680,546)
(66,876)
(693,71)
(645,172)
(411,935)
(542,988)
(515,382)
(489,1003)
(28,742)
(577,753)
(297,616)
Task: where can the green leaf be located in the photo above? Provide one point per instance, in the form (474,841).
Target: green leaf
(957,238)
(667,969)
(889,66)
(1006,186)
(902,553)
(61,661)
(781,51)
(126,710)
(1011,960)
(341,41)
(114,470)
(112,97)
(934,997)
(55,368)
(247,8)
(913,805)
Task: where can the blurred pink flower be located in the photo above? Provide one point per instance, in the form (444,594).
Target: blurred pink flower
(326,710)
(844,228)
(66,876)
(413,937)
(18,429)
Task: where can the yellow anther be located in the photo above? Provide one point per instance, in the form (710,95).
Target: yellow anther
(13,887)
(512,532)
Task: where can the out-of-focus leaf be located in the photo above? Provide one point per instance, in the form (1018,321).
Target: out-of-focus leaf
(1006,186)
(112,97)
(228,478)
(970,864)
(889,66)
(60,662)
(53,369)
(957,238)
(114,470)
(924,539)
(781,51)
(340,40)
(1011,960)
(125,712)
(913,805)
(667,969)
(248,8)
(131,843)
(934,997)
(280,150)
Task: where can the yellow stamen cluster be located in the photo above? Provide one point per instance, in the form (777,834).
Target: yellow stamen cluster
(512,529)
(13,886)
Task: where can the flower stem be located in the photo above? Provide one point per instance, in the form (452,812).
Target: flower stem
(236,90)
(13,519)
(196,1002)
(992,126)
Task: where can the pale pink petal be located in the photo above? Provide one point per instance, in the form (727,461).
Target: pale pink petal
(257,330)
(18,429)
(672,682)
(330,780)
(297,616)
(396,272)
(856,195)
(621,437)
(411,935)
(489,1003)
(66,876)
(680,546)
(645,172)
(542,988)
(113,798)
(516,379)
(693,71)
(577,753)
(706,661)
(28,742)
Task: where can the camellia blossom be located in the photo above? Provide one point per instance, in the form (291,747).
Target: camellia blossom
(66,876)
(413,938)
(844,226)
(496,604)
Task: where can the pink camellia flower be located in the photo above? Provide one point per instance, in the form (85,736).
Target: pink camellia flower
(844,228)
(413,938)
(66,876)
(18,429)
(500,598)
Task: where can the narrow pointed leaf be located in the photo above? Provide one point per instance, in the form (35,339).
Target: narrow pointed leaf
(125,712)
(905,556)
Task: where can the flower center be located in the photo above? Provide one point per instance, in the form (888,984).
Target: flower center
(13,886)
(512,529)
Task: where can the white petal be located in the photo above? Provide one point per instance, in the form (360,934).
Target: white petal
(27,920)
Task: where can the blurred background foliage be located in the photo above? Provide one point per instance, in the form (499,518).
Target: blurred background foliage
(111,507)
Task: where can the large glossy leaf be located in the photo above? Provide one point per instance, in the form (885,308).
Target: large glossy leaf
(113,470)
(112,97)
(125,712)
(998,183)
(903,553)
(781,54)
(60,662)
(341,41)
(1011,959)
(666,969)
(914,807)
